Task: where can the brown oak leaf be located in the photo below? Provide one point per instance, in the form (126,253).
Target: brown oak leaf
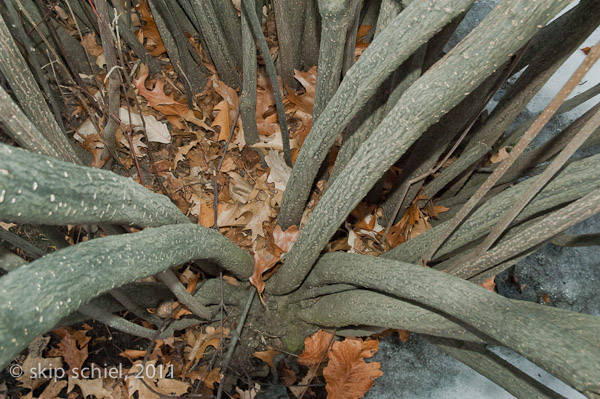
(347,374)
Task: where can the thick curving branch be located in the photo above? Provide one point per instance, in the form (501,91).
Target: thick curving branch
(289,21)
(564,343)
(35,297)
(444,86)
(517,150)
(41,190)
(362,307)
(416,24)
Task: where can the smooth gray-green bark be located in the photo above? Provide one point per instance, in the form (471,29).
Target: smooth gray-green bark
(32,56)
(36,296)
(172,282)
(581,240)
(550,148)
(311,35)
(439,90)
(557,164)
(364,123)
(426,153)
(230,23)
(144,294)
(399,81)
(566,344)
(417,24)
(41,190)
(576,180)
(21,80)
(31,250)
(186,64)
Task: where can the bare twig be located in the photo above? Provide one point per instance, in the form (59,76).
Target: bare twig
(560,160)
(517,150)
(234,340)
(248,9)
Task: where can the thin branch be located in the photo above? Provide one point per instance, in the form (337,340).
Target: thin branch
(248,8)
(172,282)
(524,239)
(31,250)
(516,151)
(234,340)
(114,82)
(582,240)
(128,327)
(541,181)
(133,307)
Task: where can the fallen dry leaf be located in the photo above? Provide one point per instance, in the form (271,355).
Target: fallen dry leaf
(499,156)
(90,387)
(166,386)
(211,337)
(156,131)
(157,98)
(315,348)
(261,212)
(347,374)
(182,152)
(90,44)
(285,239)
(74,347)
(223,120)
(249,394)
(263,262)
(51,391)
(279,171)
(132,354)
(209,378)
(489,284)
(149,30)
(267,356)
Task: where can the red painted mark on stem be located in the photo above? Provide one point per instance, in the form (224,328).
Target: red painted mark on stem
(94,8)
